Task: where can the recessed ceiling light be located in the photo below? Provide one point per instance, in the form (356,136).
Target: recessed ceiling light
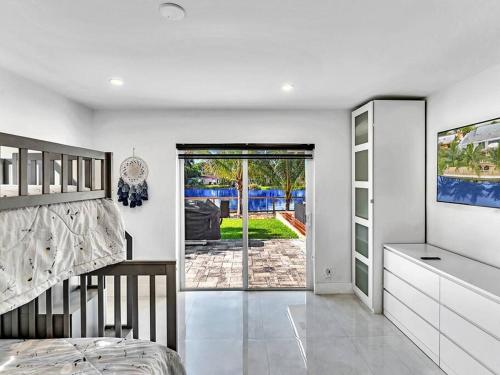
(115,81)
(287,87)
(172,11)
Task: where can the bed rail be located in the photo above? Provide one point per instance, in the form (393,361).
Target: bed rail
(133,269)
(25,322)
(36,162)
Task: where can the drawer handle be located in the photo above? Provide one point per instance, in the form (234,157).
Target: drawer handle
(430,258)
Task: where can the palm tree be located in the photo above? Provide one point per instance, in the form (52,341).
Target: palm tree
(453,155)
(192,169)
(472,157)
(288,174)
(495,156)
(442,165)
(230,170)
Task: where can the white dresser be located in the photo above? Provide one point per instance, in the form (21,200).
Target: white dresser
(450,308)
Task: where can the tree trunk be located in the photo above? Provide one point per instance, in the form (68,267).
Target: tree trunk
(288,200)
(288,186)
(239,187)
(239,209)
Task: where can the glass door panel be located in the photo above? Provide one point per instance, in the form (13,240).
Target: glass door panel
(361,203)
(277,224)
(213,223)
(361,165)
(361,278)
(361,243)
(361,128)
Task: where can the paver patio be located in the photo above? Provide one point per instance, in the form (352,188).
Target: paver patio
(277,263)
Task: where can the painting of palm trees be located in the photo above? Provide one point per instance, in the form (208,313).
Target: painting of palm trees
(468,164)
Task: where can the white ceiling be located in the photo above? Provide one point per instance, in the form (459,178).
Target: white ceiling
(238,53)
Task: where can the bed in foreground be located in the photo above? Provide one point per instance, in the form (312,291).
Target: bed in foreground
(57,221)
(88,356)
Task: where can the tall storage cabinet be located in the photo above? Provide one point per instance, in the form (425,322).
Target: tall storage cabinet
(388,188)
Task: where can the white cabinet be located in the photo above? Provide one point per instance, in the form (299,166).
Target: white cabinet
(449,306)
(479,310)
(424,306)
(424,335)
(420,278)
(388,175)
(474,341)
(455,361)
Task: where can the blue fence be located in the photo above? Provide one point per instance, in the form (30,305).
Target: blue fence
(258,200)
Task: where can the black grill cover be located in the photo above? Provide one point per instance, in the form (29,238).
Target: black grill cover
(202,220)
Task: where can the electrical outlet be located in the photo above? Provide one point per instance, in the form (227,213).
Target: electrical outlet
(328,273)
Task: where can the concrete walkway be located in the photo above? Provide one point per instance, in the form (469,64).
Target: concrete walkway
(272,264)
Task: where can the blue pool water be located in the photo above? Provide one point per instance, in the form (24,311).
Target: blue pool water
(477,193)
(259,200)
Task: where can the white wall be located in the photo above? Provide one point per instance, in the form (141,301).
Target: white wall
(33,111)
(472,231)
(155,133)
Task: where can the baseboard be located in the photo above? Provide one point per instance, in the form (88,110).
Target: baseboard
(333,288)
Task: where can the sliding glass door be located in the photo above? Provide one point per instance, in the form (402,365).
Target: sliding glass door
(244,219)
(276,224)
(213,223)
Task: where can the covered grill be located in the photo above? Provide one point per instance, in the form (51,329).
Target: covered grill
(202,220)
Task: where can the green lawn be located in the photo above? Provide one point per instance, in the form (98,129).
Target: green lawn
(258,229)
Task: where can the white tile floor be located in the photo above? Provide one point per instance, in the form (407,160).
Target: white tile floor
(287,333)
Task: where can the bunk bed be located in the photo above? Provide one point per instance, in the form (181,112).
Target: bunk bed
(57,224)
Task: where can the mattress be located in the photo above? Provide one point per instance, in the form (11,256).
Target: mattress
(88,356)
(13,190)
(43,245)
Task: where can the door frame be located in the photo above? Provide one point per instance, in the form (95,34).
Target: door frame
(310,232)
(368,146)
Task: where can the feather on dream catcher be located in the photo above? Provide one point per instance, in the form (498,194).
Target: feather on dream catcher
(132,185)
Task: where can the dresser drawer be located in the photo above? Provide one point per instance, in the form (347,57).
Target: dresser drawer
(423,305)
(421,278)
(457,362)
(425,336)
(479,344)
(476,308)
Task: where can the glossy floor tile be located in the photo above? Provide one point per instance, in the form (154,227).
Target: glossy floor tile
(286,333)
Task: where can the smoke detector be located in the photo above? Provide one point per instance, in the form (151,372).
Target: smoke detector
(172,11)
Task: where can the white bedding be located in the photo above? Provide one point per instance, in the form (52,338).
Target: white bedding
(13,190)
(41,246)
(88,356)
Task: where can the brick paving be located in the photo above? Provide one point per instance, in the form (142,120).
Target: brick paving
(272,264)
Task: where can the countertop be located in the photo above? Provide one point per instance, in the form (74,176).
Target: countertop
(480,277)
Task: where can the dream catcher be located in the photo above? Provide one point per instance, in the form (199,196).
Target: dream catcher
(132,185)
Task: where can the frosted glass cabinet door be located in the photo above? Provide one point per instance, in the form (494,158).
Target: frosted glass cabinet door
(361,277)
(362,195)
(361,235)
(361,165)
(361,203)
(361,129)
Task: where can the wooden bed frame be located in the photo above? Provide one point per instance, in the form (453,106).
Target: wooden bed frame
(26,321)
(65,153)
